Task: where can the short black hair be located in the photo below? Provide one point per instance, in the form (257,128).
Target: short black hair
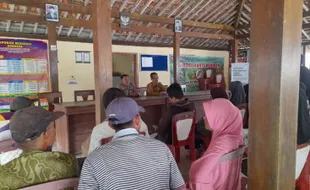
(154,73)
(124,75)
(122,126)
(111,94)
(51,7)
(175,90)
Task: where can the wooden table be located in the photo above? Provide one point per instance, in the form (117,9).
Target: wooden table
(76,126)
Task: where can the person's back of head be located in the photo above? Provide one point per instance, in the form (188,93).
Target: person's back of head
(34,128)
(218,92)
(111,94)
(175,92)
(124,113)
(237,93)
(21,102)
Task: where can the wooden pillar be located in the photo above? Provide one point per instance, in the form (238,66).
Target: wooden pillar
(176,55)
(274,84)
(234,48)
(53,56)
(102,42)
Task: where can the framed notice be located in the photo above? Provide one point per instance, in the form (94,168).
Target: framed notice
(240,72)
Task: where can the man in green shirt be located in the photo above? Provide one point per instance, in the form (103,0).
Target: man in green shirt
(33,128)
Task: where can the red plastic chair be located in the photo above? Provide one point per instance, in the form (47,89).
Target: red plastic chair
(303,167)
(107,140)
(183,133)
(71,183)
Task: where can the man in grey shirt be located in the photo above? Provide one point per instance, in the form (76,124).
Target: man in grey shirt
(130,161)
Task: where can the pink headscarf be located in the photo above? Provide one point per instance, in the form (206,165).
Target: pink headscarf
(225,120)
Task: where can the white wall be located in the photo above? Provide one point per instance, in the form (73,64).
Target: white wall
(84,73)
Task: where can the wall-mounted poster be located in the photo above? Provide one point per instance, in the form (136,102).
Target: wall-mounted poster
(23,70)
(193,68)
(240,72)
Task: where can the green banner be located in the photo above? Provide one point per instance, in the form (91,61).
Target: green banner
(192,68)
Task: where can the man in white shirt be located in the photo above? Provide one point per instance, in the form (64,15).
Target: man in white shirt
(103,130)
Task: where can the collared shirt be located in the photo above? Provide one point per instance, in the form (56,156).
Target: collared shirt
(131,161)
(154,90)
(125,132)
(128,89)
(35,167)
(103,131)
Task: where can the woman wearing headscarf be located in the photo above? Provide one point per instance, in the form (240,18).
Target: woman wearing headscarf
(225,122)
(305,79)
(303,133)
(237,93)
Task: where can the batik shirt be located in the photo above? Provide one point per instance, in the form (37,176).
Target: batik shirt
(154,90)
(128,89)
(35,167)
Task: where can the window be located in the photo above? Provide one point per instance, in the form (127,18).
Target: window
(82,57)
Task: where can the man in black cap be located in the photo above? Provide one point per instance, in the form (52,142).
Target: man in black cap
(18,103)
(130,160)
(33,128)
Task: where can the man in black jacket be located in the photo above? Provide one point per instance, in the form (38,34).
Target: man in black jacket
(179,105)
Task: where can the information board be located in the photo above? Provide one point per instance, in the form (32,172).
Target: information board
(240,72)
(154,62)
(23,70)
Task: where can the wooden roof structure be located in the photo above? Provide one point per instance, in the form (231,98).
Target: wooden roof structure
(207,24)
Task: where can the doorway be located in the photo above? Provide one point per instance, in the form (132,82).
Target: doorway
(125,63)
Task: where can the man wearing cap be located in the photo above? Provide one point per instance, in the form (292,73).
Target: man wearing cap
(33,128)
(18,103)
(130,160)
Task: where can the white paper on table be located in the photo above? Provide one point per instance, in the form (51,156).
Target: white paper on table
(147,62)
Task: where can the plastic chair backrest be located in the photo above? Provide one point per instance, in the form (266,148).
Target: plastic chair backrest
(302,153)
(84,94)
(183,126)
(238,153)
(71,183)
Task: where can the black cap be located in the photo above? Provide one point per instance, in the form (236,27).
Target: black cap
(29,123)
(21,102)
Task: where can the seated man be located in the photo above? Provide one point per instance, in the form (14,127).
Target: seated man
(33,128)
(130,160)
(155,88)
(129,89)
(18,103)
(103,130)
(179,105)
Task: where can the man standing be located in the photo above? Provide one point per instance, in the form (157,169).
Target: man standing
(179,105)
(155,88)
(129,89)
(33,128)
(130,160)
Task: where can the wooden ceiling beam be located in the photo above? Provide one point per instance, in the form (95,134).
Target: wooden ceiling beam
(165,20)
(88,40)
(239,11)
(169,32)
(71,8)
(20,17)
(243,36)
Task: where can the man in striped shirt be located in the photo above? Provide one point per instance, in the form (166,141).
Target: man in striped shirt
(130,161)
